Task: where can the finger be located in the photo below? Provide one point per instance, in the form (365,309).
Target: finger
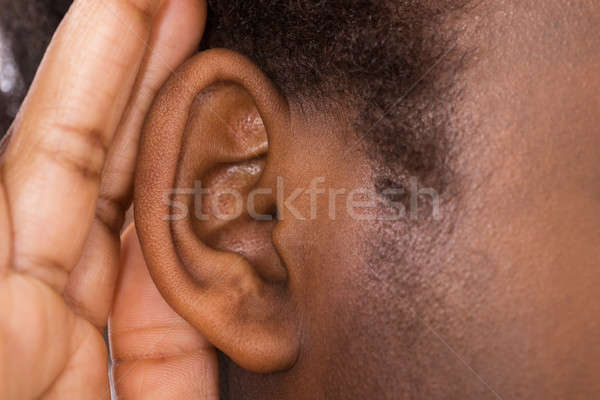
(155,353)
(61,136)
(175,36)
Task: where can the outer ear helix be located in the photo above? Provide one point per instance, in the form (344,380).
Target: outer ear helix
(247,317)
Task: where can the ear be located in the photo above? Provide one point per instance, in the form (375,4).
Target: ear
(206,142)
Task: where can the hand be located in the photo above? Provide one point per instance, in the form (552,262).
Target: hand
(65,183)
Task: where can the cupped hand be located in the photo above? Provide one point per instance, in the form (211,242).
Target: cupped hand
(65,183)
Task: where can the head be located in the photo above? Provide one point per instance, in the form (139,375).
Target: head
(384,199)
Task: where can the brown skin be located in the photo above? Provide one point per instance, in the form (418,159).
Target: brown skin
(65,183)
(508,304)
(505,297)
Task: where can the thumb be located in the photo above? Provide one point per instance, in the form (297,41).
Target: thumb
(155,353)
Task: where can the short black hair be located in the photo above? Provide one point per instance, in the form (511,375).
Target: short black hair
(390,62)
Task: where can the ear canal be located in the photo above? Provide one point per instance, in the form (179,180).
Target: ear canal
(207,137)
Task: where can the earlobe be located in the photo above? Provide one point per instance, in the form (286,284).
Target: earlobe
(208,133)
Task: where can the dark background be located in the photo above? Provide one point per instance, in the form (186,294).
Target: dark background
(26,27)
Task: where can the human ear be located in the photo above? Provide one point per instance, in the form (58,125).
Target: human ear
(212,127)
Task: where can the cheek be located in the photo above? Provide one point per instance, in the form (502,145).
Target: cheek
(528,244)
(323,243)
(322,232)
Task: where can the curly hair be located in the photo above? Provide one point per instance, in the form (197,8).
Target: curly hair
(390,63)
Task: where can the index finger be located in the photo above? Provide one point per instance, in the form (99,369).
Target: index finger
(53,164)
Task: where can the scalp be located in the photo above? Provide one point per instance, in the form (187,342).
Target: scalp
(389,65)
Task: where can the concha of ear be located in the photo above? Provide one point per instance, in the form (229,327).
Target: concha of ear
(205,214)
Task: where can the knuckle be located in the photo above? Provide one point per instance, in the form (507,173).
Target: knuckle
(135,14)
(81,150)
(142,10)
(80,307)
(45,269)
(110,213)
